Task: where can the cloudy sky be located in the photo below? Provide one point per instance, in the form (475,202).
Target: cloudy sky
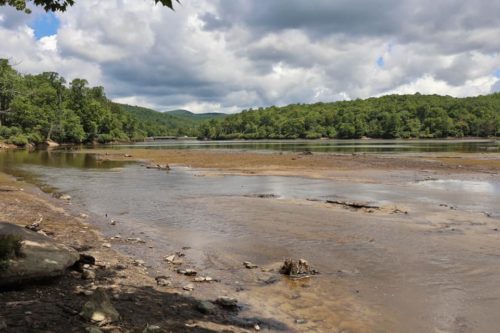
(227,55)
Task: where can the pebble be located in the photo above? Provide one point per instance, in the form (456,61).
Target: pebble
(106,245)
(88,274)
(188,287)
(250,265)
(138,262)
(300,321)
(170,258)
(227,302)
(163,281)
(256,327)
(152,329)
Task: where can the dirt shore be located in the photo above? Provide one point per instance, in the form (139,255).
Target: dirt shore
(352,167)
(53,306)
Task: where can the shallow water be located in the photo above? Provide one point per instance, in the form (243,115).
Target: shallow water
(220,218)
(332,146)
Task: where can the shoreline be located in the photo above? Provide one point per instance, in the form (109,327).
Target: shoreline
(55,304)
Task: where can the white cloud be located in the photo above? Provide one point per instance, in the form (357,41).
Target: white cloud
(227,55)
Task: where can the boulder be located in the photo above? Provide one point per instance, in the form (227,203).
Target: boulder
(99,308)
(38,256)
(206,307)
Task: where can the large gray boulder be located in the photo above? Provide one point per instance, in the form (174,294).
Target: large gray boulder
(39,257)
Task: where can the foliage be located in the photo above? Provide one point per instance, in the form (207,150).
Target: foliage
(36,108)
(59,5)
(170,123)
(10,246)
(393,116)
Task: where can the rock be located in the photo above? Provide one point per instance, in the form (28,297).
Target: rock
(227,302)
(249,265)
(256,327)
(99,308)
(3,325)
(152,329)
(300,321)
(87,274)
(206,307)
(106,245)
(187,272)
(297,269)
(50,144)
(113,222)
(163,281)
(170,259)
(120,267)
(188,287)
(38,257)
(35,226)
(93,329)
(138,262)
(65,197)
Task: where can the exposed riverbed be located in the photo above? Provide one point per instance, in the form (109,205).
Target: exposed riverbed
(426,261)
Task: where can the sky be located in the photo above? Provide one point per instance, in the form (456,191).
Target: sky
(229,55)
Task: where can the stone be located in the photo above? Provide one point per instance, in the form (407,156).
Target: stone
(227,302)
(170,259)
(256,327)
(187,272)
(99,308)
(88,274)
(152,329)
(188,287)
(39,257)
(206,307)
(138,262)
(250,265)
(106,245)
(163,281)
(65,197)
(297,269)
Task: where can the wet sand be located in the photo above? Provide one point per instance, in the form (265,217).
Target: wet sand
(432,270)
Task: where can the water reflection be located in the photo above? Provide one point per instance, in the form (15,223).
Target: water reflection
(339,146)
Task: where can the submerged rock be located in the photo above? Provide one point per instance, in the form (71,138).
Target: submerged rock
(37,257)
(99,308)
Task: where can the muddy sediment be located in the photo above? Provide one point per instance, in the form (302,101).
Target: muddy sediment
(413,268)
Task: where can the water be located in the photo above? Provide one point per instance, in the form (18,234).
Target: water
(446,265)
(333,146)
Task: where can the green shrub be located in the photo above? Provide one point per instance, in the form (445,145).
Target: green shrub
(18,140)
(10,247)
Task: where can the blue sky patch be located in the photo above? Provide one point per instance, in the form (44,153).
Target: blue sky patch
(497,73)
(380,62)
(45,24)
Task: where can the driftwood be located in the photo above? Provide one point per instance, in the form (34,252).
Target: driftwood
(352,204)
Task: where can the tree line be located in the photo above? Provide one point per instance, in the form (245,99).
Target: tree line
(37,108)
(388,117)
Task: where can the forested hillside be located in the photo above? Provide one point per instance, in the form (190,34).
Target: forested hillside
(175,122)
(393,116)
(36,108)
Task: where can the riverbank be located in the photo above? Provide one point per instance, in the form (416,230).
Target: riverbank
(53,306)
(351,167)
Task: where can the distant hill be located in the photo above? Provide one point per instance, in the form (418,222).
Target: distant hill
(198,117)
(175,122)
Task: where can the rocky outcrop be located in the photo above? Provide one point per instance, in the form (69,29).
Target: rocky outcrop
(38,256)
